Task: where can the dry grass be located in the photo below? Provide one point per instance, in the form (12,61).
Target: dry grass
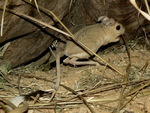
(146,15)
(97,88)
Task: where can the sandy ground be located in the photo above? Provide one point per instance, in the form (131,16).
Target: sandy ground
(100,86)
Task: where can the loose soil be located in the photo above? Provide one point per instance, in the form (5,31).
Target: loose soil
(100,86)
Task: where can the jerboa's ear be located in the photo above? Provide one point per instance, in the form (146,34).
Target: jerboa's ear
(102,19)
(109,22)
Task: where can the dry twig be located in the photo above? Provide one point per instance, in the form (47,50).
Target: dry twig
(3,16)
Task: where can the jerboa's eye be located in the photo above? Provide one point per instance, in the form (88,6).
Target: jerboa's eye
(118,27)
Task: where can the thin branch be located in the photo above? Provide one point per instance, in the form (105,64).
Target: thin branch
(3,16)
